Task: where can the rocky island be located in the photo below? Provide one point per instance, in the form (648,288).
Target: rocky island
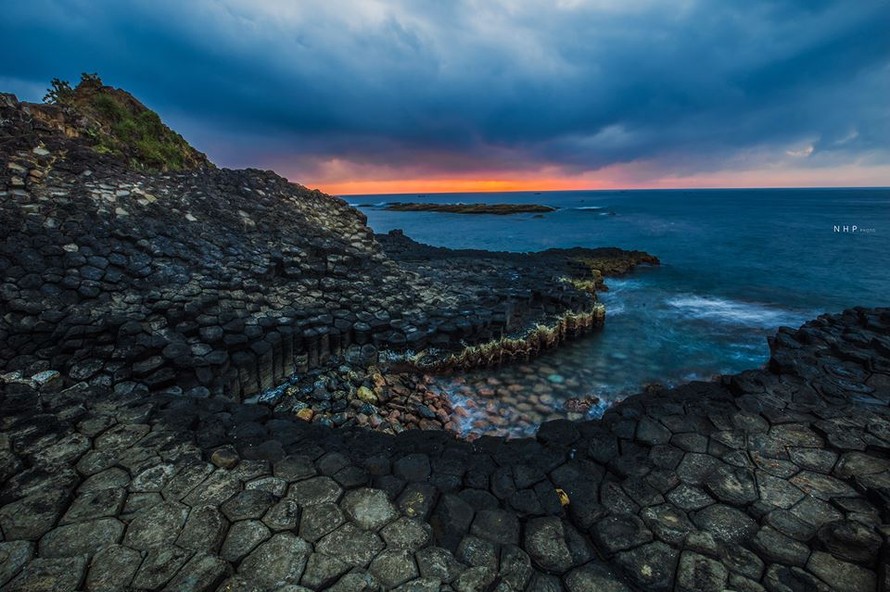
(214,380)
(497,209)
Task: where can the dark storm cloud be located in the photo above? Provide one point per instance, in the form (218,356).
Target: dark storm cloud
(451,86)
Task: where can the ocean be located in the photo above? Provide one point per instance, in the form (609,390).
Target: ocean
(735,265)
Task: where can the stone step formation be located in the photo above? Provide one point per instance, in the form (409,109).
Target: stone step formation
(775,479)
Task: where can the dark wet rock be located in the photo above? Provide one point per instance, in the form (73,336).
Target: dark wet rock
(451,521)
(697,573)
(204,530)
(319,520)
(82,538)
(285,515)
(732,485)
(247,505)
(33,516)
(668,523)
(545,542)
(112,569)
(620,532)
(594,577)
(498,526)
(157,525)
(316,490)
(850,541)
(225,457)
(477,552)
(651,566)
(243,537)
(515,568)
(322,571)
(278,562)
(840,575)
(392,568)
(688,497)
(369,508)
(775,547)
(92,505)
(413,467)
(57,575)
(438,563)
(475,578)
(13,556)
(727,524)
(351,544)
(159,566)
(407,534)
(201,574)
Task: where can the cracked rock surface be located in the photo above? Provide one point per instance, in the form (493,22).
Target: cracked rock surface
(775,479)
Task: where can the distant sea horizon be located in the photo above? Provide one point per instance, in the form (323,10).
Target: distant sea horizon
(619,189)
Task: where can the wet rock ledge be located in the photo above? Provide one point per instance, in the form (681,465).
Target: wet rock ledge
(212,282)
(775,479)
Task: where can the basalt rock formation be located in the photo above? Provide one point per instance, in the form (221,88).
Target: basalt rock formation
(205,281)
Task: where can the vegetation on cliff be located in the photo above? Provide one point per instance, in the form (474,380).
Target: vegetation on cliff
(118,124)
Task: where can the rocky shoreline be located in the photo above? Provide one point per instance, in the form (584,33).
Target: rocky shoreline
(775,479)
(212,282)
(177,347)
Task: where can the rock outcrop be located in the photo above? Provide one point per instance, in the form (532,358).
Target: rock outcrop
(775,479)
(210,281)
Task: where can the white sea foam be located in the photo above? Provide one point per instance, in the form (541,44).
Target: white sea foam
(589,208)
(732,311)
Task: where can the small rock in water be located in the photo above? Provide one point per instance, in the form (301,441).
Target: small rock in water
(225,457)
(581,404)
(556,378)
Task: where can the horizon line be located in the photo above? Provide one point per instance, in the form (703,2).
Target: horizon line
(619,189)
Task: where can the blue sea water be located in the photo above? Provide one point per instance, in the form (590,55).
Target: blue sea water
(736,265)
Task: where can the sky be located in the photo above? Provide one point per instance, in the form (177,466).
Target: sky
(403,96)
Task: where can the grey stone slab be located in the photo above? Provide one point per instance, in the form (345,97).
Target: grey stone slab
(49,575)
(322,571)
(158,525)
(841,575)
(351,544)
(284,515)
(278,562)
(652,567)
(81,538)
(159,566)
(113,569)
(204,530)
(319,520)
(97,504)
(725,523)
(315,490)
(248,505)
(202,573)
(13,556)
(407,534)
(697,573)
(369,508)
(393,568)
(31,517)
(545,542)
(595,577)
(242,538)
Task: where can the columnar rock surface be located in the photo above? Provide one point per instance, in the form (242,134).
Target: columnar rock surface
(213,281)
(775,479)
